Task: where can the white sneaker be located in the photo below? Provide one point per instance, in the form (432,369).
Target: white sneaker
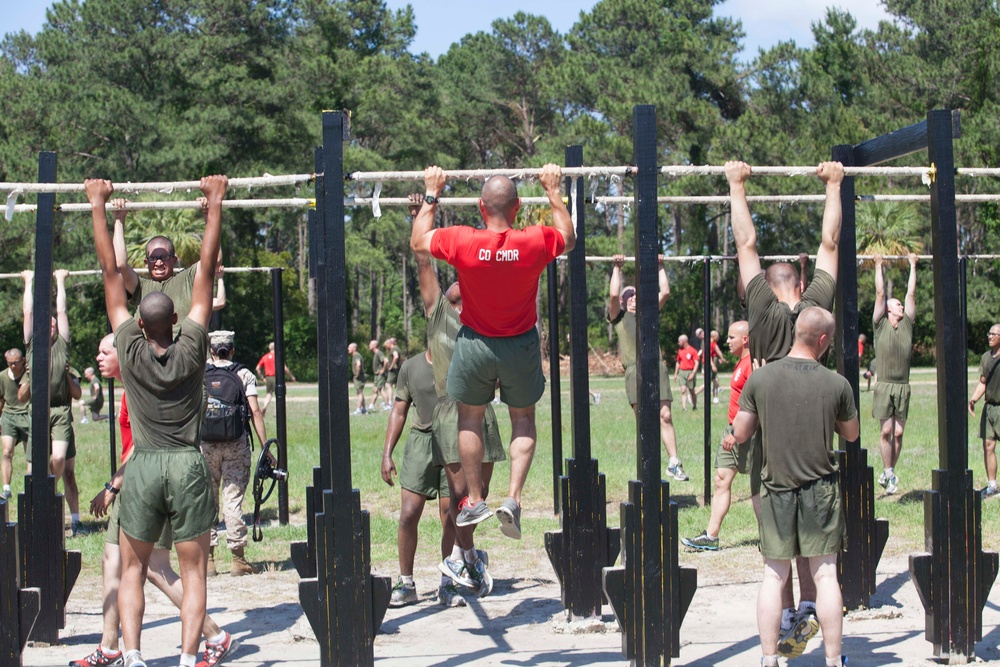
(84,421)
(716,400)
(892,486)
(597,397)
(883,479)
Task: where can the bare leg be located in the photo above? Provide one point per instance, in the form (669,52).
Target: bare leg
(990,456)
(807,587)
(70,489)
(776,574)
(899,426)
(829,603)
(7,464)
(57,462)
(471,449)
(667,434)
(162,575)
(456,486)
(192,556)
(131,597)
(447,526)
(406,533)
(522,448)
(885,442)
(111,576)
(721,499)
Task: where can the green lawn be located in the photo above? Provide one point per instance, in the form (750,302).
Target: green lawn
(613,444)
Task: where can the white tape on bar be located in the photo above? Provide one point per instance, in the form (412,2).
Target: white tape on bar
(376,209)
(11,204)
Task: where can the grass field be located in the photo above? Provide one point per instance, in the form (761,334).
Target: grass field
(613,444)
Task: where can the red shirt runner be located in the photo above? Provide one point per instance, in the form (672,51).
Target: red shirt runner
(498,272)
(687,358)
(740,375)
(267,362)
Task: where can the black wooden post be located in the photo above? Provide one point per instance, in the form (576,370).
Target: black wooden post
(555,390)
(45,562)
(344,603)
(955,578)
(281,433)
(584,545)
(649,593)
(963,275)
(706,360)
(18,606)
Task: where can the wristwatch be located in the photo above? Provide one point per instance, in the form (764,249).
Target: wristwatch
(112,489)
(431,199)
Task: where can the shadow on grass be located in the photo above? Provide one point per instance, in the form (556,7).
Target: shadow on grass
(915,496)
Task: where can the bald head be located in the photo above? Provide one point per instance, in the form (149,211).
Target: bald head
(156,313)
(499,196)
(352,348)
(13,355)
(739,328)
(814,329)
(782,276)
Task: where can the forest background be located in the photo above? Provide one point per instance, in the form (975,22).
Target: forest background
(135,90)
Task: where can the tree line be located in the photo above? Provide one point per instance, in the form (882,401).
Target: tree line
(140,91)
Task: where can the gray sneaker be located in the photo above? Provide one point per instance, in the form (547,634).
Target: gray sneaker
(678,472)
(989,491)
(470,514)
(480,573)
(883,479)
(403,594)
(6,494)
(793,643)
(892,485)
(449,596)
(509,514)
(458,572)
(703,542)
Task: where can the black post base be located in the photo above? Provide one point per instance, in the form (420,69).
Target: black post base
(304,553)
(953,583)
(18,606)
(650,600)
(866,535)
(45,563)
(345,603)
(585,545)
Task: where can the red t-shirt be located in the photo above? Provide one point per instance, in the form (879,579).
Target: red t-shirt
(716,354)
(861,349)
(125,426)
(687,358)
(267,362)
(740,375)
(498,272)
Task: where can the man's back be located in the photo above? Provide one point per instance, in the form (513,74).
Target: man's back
(772,322)
(416,384)
(443,324)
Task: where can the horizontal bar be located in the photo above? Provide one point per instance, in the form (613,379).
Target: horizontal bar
(977,171)
(713,170)
(164,187)
(528,172)
(175,205)
(97,272)
(766,258)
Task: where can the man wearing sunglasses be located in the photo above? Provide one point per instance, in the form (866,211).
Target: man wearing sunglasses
(161,261)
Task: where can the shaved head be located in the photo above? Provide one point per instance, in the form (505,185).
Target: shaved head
(157,312)
(740,328)
(13,355)
(499,196)
(782,276)
(812,324)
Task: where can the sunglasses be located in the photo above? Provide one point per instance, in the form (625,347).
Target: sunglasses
(158,257)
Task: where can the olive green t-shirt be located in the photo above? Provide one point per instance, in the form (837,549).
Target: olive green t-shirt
(357,363)
(377,362)
(8,389)
(397,359)
(798,403)
(416,385)
(179,287)
(893,345)
(986,365)
(772,322)
(625,329)
(166,393)
(443,324)
(58,384)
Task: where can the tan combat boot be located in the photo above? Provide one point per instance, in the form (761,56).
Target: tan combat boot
(210,571)
(240,564)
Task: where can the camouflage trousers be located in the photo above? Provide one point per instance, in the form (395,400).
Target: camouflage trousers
(229,463)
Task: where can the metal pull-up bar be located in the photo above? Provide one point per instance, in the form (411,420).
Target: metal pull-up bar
(163,187)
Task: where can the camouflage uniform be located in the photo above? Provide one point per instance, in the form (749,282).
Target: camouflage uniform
(229,461)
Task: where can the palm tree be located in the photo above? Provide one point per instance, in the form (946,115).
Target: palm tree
(888,228)
(182,226)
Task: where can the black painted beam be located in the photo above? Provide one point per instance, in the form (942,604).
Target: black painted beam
(555,388)
(281,431)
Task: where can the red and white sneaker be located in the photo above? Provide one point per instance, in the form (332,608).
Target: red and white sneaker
(215,653)
(99,658)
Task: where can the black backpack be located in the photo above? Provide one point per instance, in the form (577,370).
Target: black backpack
(227,416)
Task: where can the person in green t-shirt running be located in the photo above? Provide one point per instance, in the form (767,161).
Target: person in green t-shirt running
(989,426)
(893,323)
(164,378)
(15,416)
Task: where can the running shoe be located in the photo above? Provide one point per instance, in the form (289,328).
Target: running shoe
(98,659)
(892,486)
(883,479)
(6,494)
(703,542)
(449,596)
(459,573)
(678,472)
(480,573)
(990,491)
(597,397)
(793,643)
(215,653)
(469,514)
(509,514)
(403,594)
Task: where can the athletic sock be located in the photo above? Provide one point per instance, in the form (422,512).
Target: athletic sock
(711,536)
(6,487)
(217,639)
(807,605)
(992,484)
(890,472)
(135,655)
(769,661)
(456,552)
(75,518)
(674,461)
(108,651)
(833,662)
(187,660)
(407,579)
(470,556)
(787,617)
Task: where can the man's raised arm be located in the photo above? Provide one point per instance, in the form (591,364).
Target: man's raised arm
(423,224)
(430,288)
(664,284)
(98,193)
(62,320)
(550,178)
(910,304)
(744,234)
(214,188)
(879,312)
(121,250)
(615,287)
(832,174)
(28,306)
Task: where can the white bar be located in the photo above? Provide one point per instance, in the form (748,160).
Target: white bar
(713,170)
(175,205)
(977,171)
(163,187)
(766,258)
(528,172)
(97,272)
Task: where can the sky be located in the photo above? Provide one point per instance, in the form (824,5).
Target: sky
(440,23)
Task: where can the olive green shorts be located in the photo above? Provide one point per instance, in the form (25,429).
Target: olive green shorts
(166,540)
(479,361)
(418,472)
(61,424)
(164,485)
(807,521)
(744,458)
(989,423)
(445,431)
(359,386)
(269,382)
(94,404)
(891,399)
(690,384)
(391,376)
(631,385)
(379,381)
(17,426)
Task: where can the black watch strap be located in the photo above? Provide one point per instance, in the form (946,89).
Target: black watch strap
(112,489)
(431,199)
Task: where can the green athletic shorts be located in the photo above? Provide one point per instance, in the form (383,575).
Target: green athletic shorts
(891,399)
(418,472)
(690,384)
(379,381)
(479,361)
(165,541)
(808,521)
(60,428)
(94,404)
(631,385)
(269,383)
(391,376)
(359,386)
(167,485)
(989,423)
(445,431)
(743,459)
(16,426)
